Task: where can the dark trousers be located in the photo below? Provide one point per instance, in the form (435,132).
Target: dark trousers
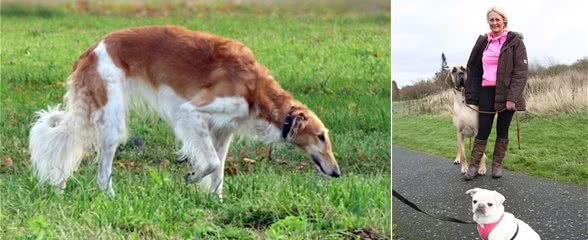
(485,120)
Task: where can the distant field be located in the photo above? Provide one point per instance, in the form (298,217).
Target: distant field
(337,64)
(563,89)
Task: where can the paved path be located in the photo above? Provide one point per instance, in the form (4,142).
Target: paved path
(555,210)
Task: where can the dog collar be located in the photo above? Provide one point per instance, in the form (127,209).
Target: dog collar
(287,126)
(485,229)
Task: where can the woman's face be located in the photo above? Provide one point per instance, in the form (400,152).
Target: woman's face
(496,23)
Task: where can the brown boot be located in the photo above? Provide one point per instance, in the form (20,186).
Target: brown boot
(499,152)
(476,157)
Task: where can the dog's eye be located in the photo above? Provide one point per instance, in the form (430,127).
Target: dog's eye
(321,137)
(490,204)
(475,201)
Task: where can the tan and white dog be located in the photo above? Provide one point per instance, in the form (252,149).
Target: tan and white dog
(204,86)
(465,119)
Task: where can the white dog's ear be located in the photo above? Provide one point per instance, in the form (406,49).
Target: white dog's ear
(499,198)
(473,191)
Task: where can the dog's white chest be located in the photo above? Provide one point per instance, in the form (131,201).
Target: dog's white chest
(464,118)
(507,229)
(226,112)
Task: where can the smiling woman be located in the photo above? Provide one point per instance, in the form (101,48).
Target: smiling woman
(497,75)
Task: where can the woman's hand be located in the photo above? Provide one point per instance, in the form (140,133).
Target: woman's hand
(510,106)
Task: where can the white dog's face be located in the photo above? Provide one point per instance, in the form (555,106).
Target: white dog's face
(486,203)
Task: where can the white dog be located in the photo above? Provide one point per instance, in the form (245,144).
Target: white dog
(493,222)
(465,119)
(205,87)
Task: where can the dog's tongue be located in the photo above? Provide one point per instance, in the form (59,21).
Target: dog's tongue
(482,210)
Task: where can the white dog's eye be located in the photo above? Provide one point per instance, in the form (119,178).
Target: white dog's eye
(475,201)
(490,204)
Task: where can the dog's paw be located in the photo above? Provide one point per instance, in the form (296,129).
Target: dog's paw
(216,196)
(456,161)
(482,170)
(464,169)
(193,177)
(110,192)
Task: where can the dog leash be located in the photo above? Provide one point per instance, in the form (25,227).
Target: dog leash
(415,207)
(502,110)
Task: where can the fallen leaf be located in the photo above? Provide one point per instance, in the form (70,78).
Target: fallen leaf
(241,154)
(300,166)
(261,151)
(129,165)
(163,163)
(7,161)
(248,161)
(231,170)
(281,162)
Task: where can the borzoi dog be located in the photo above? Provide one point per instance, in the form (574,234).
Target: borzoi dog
(465,118)
(204,86)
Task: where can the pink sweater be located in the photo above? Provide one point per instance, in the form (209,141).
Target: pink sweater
(490,58)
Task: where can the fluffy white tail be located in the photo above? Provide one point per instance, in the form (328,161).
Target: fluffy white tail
(56,143)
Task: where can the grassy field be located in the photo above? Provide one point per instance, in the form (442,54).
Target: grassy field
(338,64)
(552,146)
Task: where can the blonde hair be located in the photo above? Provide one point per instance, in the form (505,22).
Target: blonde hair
(500,12)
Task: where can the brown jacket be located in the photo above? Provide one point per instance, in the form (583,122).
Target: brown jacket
(511,75)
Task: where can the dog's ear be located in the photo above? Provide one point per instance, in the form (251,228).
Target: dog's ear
(499,198)
(299,122)
(473,191)
(298,114)
(448,77)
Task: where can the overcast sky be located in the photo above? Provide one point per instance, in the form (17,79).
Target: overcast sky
(554,32)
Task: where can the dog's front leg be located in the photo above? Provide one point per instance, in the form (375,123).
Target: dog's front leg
(459,141)
(221,144)
(193,130)
(482,169)
(460,158)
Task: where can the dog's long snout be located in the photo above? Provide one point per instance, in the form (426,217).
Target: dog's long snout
(461,79)
(332,171)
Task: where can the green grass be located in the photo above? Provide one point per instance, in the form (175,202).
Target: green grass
(339,65)
(553,147)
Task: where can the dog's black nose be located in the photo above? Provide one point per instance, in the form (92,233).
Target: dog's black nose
(336,173)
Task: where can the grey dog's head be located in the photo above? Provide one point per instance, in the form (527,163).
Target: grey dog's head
(459,77)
